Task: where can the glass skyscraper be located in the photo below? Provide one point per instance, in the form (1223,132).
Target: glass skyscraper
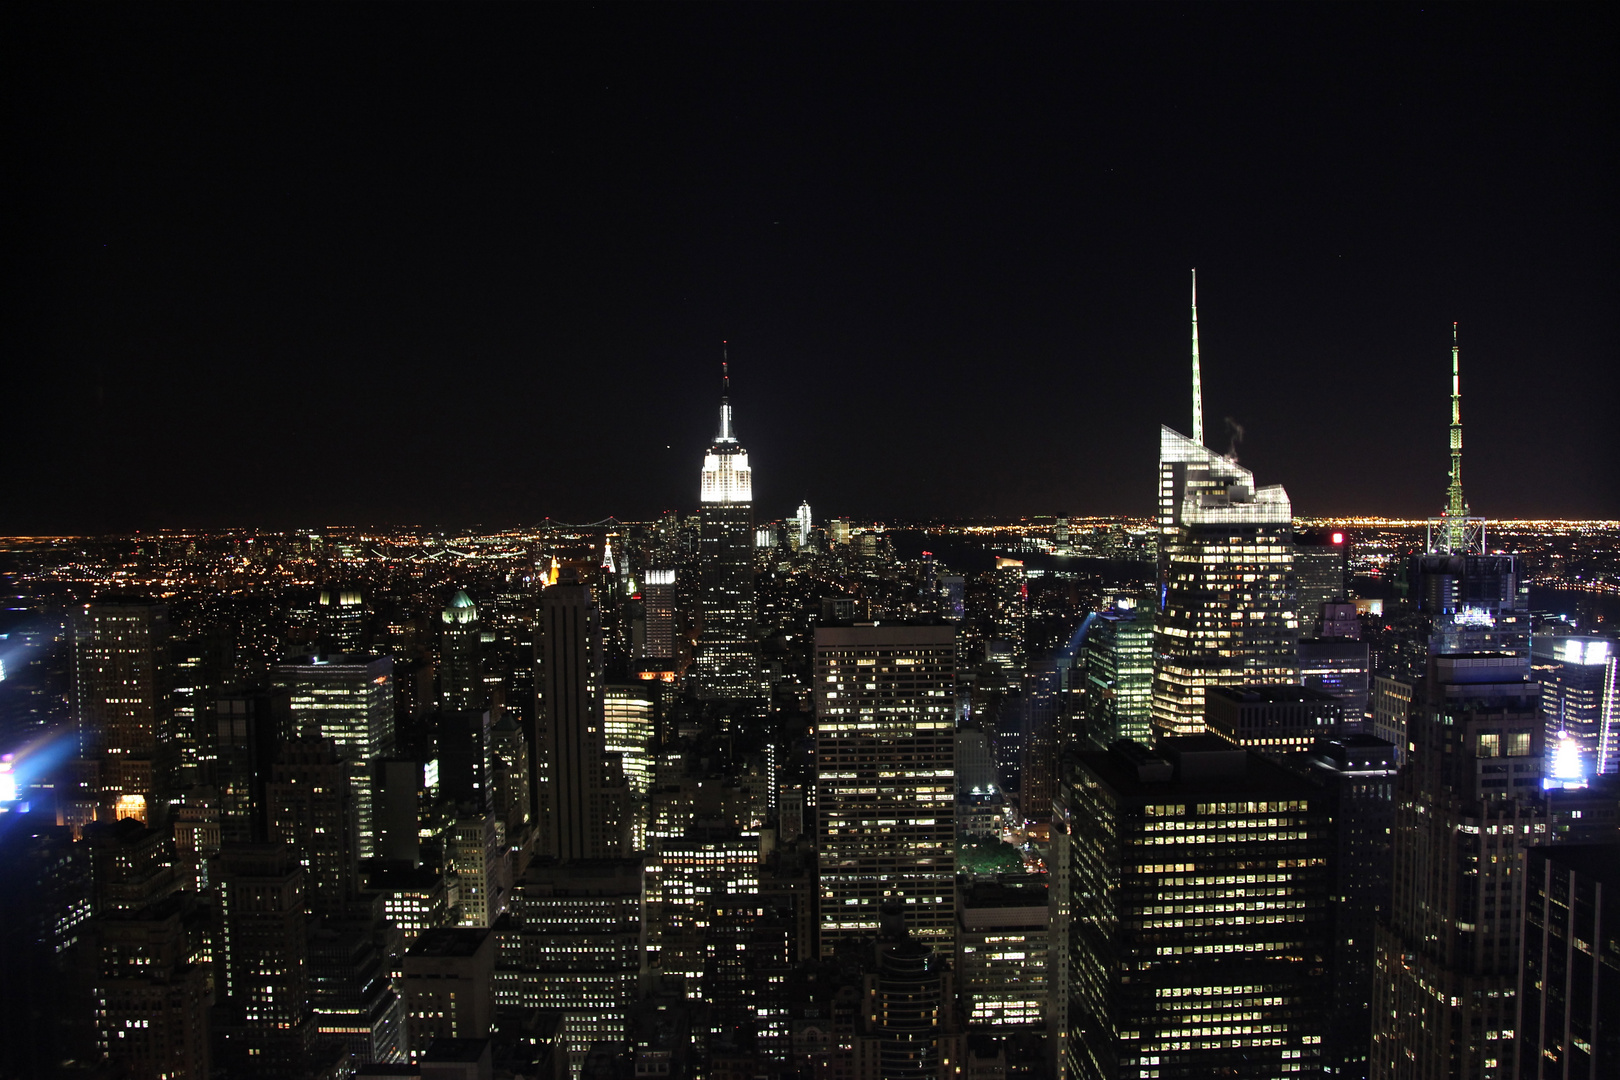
(1226,603)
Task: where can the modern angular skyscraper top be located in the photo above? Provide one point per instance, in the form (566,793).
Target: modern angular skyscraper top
(727,649)
(1226,611)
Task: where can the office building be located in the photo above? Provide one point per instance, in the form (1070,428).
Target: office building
(1273,720)
(1010,613)
(151,997)
(1226,613)
(1193,912)
(687,877)
(885,781)
(727,647)
(805,524)
(658,605)
(908,1027)
(1569,990)
(580,798)
(310,807)
(352,995)
(1578,694)
(341,616)
(1467,805)
(348,698)
(1321,574)
(461,668)
(1003,932)
(1226,607)
(261,964)
(1116,674)
(449,987)
(247,725)
(121,710)
(1358,773)
(575,940)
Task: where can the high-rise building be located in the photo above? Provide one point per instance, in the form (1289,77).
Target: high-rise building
(1579,690)
(352,994)
(885,784)
(461,669)
(1358,772)
(727,646)
(1226,612)
(261,964)
(580,798)
(908,1026)
(247,725)
(121,707)
(1192,912)
(1226,606)
(449,987)
(1116,674)
(1338,662)
(1010,614)
(342,617)
(1321,574)
(1003,933)
(1467,805)
(575,940)
(151,998)
(348,698)
(1276,721)
(805,524)
(658,603)
(1569,990)
(310,807)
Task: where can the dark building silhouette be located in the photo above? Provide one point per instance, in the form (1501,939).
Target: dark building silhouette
(1191,907)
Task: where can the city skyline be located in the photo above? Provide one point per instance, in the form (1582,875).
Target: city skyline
(964,226)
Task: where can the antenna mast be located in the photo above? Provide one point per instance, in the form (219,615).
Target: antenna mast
(1198,381)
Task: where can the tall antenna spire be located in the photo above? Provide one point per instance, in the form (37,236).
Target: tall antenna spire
(1198,379)
(1456,506)
(726,434)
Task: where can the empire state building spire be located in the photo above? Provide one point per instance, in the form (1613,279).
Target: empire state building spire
(727,435)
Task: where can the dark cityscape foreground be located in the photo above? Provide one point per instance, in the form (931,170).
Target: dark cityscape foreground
(1220,793)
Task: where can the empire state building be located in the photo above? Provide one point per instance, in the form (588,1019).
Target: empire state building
(727,647)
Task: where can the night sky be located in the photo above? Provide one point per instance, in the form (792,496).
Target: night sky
(292,266)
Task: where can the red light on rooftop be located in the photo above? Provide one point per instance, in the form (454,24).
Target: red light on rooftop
(1338,538)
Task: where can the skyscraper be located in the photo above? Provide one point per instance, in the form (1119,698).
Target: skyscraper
(1226,603)
(1226,606)
(580,804)
(727,648)
(311,808)
(805,525)
(1467,805)
(1192,914)
(1578,677)
(885,787)
(348,698)
(658,602)
(1569,991)
(461,673)
(121,708)
(1116,674)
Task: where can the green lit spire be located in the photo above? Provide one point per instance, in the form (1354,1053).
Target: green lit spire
(1456,505)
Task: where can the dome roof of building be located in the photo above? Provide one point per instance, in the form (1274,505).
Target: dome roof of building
(461,609)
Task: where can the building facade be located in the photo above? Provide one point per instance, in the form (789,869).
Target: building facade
(885,779)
